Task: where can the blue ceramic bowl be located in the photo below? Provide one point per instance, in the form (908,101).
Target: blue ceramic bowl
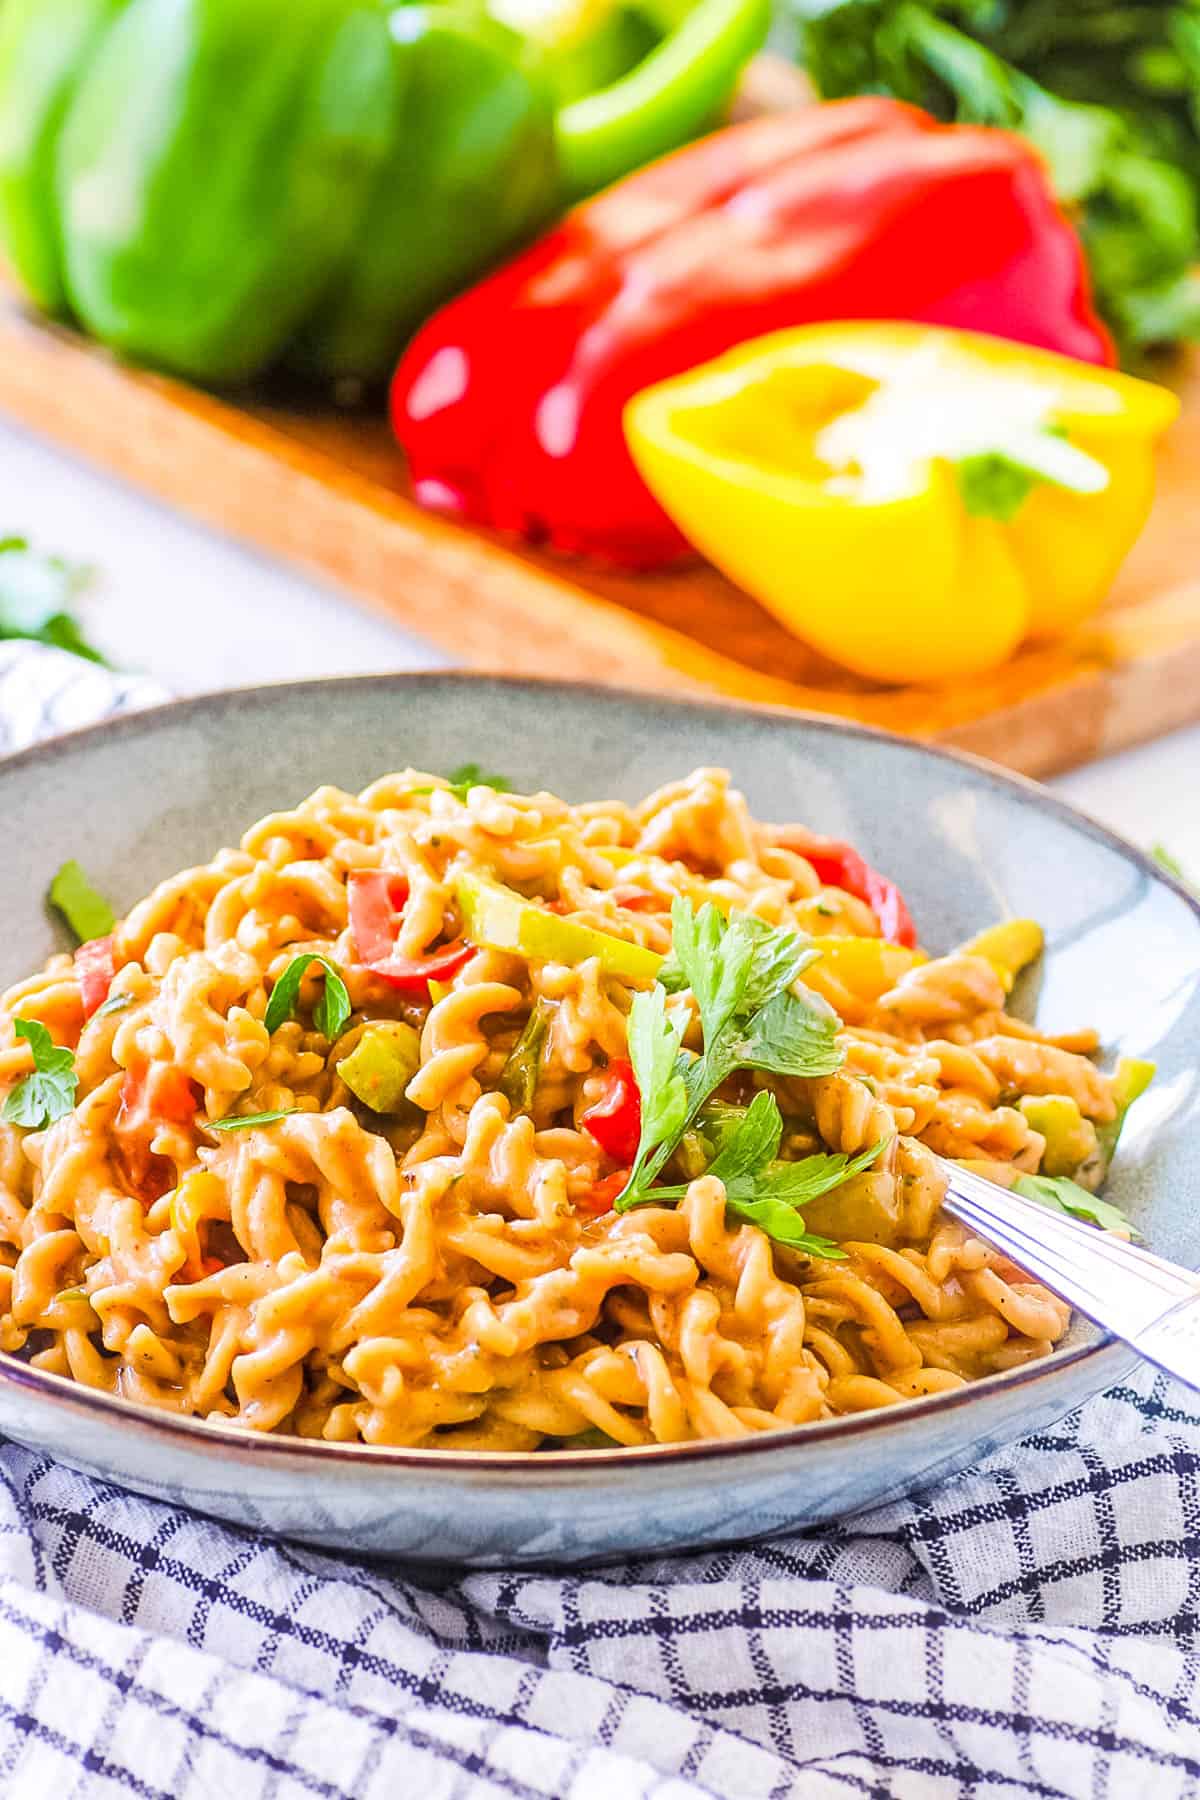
(138,799)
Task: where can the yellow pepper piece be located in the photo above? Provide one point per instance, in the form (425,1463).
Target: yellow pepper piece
(865,967)
(913,501)
(199,1196)
(1010,947)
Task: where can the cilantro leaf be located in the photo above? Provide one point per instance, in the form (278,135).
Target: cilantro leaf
(733,966)
(243,1121)
(768,1194)
(1063,1195)
(48,1094)
(780,956)
(793,1034)
(713,956)
(87,913)
(35,598)
(742,973)
(332,1009)
(753,1143)
(784,1225)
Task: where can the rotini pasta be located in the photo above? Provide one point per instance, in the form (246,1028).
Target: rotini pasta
(389,1217)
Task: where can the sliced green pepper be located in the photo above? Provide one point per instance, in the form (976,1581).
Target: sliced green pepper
(1070,1140)
(1131,1077)
(213,169)
(381,1065)
(498,919)
(45,46)
(523,1065)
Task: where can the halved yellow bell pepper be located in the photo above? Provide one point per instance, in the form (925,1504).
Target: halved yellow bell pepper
(915,502)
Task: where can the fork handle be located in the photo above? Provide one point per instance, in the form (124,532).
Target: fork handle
(1151,1304)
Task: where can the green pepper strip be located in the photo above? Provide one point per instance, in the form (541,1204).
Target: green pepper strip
(519,1076)
(670,97)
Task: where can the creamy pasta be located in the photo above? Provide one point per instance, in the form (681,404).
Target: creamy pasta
(416,1242)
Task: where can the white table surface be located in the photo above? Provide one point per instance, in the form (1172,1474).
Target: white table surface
(199,611)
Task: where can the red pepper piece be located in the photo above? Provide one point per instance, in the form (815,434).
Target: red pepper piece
(376,897)
(412,974)
(615,1120)
(151,1093)
(94,962)
(600,1196)
(840,866)
(509,402)
(638,899)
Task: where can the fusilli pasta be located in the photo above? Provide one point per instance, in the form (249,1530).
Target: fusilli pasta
(447,1271)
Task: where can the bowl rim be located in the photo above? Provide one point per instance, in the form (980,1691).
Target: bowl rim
(218,1435)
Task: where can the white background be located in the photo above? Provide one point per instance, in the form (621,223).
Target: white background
(199,611)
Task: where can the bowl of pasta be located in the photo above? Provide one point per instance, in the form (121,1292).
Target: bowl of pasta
(497,1121)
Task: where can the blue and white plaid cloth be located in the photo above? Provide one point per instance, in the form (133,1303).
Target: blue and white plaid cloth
(1027,1630)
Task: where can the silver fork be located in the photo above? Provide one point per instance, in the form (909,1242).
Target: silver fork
(1150,1303)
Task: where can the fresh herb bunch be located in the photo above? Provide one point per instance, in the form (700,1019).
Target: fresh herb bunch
(754,1015)
(1107,90)
(36,595)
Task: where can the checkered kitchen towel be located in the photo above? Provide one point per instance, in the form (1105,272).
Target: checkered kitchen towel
(1029,1629)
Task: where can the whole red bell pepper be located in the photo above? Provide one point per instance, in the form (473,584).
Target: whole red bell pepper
(509,402)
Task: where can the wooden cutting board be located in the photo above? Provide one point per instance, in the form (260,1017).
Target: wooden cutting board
(327,491)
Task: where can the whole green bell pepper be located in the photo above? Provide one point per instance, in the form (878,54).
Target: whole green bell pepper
(500,132)
(213,163)
(212,184)
(44,48)
(471,172)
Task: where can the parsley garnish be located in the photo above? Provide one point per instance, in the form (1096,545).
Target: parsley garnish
(35,596)
(1063,1195)
(743,976)
(87,913)
(460,781)
(768,1193)
(243,1121)
(49,1093)
(332,1009)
